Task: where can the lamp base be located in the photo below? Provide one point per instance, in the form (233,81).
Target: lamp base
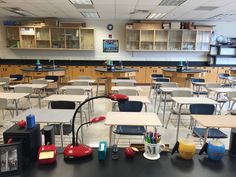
(77,151)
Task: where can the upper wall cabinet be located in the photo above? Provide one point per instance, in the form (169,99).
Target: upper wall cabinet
(167,40)
(52,38)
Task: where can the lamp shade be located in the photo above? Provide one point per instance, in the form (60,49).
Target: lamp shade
(118,97)
(97,119)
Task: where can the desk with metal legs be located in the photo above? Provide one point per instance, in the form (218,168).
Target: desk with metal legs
(15,97)
(132,119)
(165,91)
(188,101)
(215,121)
(58,116)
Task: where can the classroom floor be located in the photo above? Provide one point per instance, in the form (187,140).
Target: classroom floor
(98,132)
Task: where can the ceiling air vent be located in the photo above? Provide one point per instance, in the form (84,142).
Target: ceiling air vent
(172,2)
(206,8)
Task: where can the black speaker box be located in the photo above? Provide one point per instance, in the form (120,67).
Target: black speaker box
(232,143)
(30,139)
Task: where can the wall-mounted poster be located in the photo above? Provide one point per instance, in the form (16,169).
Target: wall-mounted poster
(110,45)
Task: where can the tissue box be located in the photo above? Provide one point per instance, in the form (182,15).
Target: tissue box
(102,150)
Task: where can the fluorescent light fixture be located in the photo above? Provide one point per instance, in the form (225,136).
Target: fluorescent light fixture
(79,2)
(19,11)
(155,15)
(172,2)
(90,14)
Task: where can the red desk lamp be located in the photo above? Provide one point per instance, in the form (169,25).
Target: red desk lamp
(76,150)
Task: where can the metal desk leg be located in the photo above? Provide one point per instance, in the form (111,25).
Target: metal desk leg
(16,105)
(110,135)
(61,134)
(178,122)
(206,135)
(145,107)
(159,105)
(164,111)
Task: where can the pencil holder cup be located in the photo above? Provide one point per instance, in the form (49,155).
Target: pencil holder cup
(152,151)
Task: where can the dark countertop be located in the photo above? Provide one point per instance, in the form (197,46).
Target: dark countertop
(42,70)
(166,166)
(184,71)
(124,70)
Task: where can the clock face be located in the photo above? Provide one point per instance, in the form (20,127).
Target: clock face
(110,27)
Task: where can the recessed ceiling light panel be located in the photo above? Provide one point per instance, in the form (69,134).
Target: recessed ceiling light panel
(19,11)
(93,15)
(172,2)
(155,15)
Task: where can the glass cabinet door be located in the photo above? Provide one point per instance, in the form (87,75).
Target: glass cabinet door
(189,40)
(161,40)
(42,38)
(147,39)
(203,40)
(87,39)
(175,39)
(13,39)
(58,38)
(132,39)
(72,38)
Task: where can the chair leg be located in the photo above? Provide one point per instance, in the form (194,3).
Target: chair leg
(172,107)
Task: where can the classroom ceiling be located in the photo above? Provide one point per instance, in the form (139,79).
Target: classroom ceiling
(220,10)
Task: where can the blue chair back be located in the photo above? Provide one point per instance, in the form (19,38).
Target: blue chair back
(18,77)
(157,75)
(197,80)
(130,106)
(62,105)
(162,79)
(223,75)
(54,78)
(205,109)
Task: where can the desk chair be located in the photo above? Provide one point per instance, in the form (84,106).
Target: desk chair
(204,109)
(19,78)
(52,86)
(129,106)
(24,105)
(67,128)
(197,90)
(123,78)
(175,108)
(220,98)
(157,78)
(223,77)
(231,95)
(6,85)
(162,98)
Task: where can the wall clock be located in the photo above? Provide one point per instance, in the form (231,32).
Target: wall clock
(110,27)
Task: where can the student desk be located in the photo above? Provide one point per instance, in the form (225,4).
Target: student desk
(188,101)
(215,121)
(132,119)
(57,116)
(166,166)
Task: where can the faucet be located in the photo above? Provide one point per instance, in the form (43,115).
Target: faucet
(53,63)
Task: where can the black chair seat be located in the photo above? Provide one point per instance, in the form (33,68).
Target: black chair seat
(67,129)
(212,133)
(200,92)
(129,130)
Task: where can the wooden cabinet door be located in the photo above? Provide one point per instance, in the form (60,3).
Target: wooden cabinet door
(152,70)
(81,71)
(211,74)
(140,75)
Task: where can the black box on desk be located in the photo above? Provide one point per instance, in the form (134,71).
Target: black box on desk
(30,139)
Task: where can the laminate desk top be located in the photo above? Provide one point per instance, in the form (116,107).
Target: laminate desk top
(171,89)
(193,100)
(222,90)
(34,86)
(62,97)
(117,88)
(132,118)
(13,96)
(184,71)
(47,115)
(166,166)
(143,99)
(87,88)
(82,80)
(218,121)
(2,83)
